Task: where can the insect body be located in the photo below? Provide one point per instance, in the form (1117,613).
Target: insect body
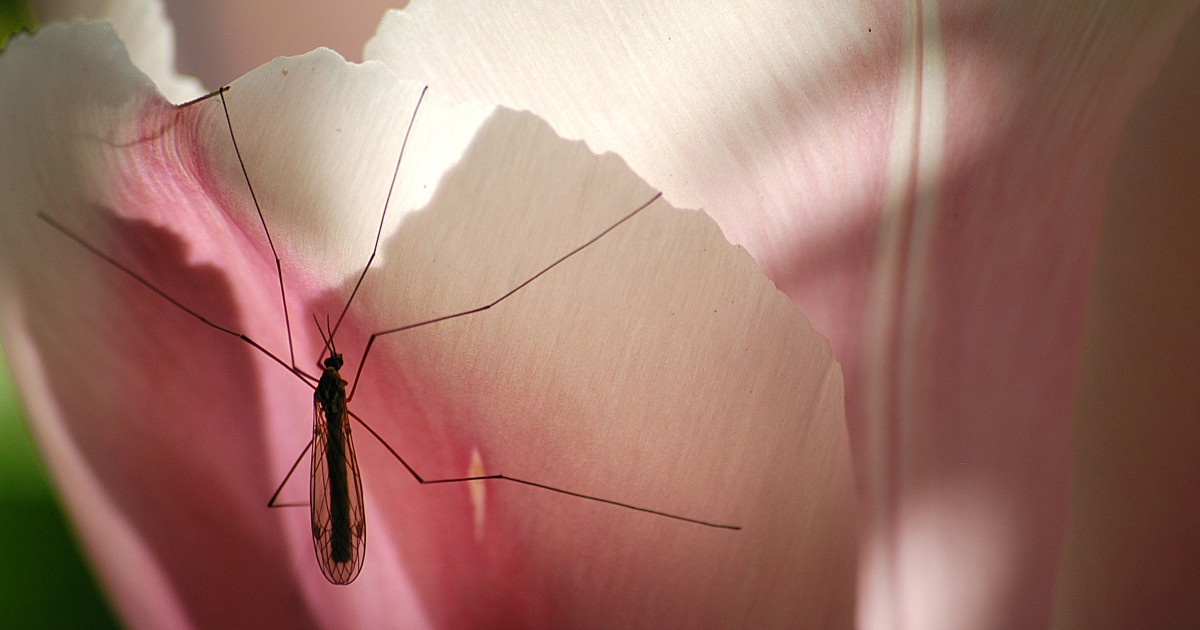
(338,520)
(336,497)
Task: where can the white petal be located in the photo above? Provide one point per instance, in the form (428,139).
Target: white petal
(148,36)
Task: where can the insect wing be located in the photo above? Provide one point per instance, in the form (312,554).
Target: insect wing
(339,526)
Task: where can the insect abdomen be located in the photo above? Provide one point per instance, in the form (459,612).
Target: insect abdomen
(339,526)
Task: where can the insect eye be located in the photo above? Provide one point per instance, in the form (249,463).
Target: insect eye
(334,362)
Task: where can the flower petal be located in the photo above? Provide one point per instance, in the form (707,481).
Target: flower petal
(657,368)
(148,36)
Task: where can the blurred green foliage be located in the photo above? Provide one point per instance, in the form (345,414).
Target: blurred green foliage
(44,581)
(14,16)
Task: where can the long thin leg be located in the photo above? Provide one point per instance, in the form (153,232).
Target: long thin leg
(371,341)
(423,481)
(295,465)
(307,378)
(287,319)
(304,377)
(201,99)
(382,217)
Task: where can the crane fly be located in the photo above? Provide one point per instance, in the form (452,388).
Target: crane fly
(336,507)
(339,522)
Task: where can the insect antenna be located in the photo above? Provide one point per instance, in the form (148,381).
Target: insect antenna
(327,340)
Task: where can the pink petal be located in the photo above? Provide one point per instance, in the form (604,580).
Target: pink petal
(658,368)
(926,184)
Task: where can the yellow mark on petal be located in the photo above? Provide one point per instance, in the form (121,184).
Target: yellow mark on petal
(478,490)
